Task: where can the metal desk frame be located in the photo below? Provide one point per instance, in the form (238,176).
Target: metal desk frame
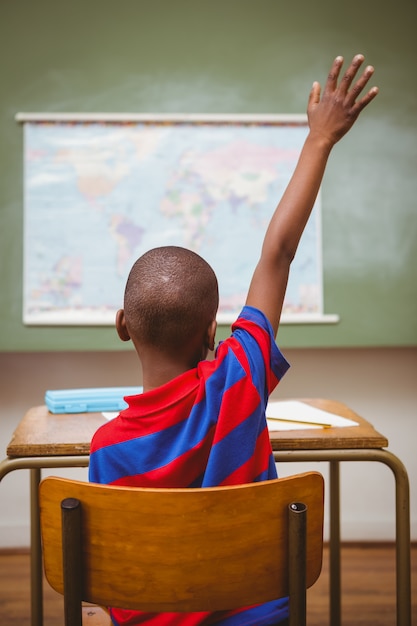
(402,521)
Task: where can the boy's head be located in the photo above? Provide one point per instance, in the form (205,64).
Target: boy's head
(171,298)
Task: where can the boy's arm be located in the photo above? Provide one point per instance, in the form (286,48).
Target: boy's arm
(330,116)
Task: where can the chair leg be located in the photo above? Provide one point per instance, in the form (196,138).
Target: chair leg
(297,527)
(72,561)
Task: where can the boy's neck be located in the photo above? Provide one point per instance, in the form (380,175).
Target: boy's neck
(159,378)
(160,366)
(159,369)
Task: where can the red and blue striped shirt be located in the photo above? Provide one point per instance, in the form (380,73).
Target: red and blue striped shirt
(204,428)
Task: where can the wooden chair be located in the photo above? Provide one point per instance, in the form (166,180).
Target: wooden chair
(187,550)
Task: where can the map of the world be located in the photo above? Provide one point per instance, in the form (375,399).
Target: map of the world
(100,194)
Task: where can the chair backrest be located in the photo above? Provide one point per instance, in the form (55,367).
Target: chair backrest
(162,550)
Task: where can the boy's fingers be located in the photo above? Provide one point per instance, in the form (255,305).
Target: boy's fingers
(334,73)
(348,92)
(360,83)
(351,72)
(314,94)
(372,93)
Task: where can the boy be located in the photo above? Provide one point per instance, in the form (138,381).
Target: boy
(199,422)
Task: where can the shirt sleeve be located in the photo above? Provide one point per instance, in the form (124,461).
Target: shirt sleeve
(254,332)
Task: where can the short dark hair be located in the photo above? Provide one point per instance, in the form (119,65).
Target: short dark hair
(171,295)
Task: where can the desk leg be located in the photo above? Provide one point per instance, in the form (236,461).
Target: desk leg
(335,583)
(36,572)
(402,513)
(403,548)
(35,464)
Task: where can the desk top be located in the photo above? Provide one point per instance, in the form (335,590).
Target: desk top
(363,436)
(41,433)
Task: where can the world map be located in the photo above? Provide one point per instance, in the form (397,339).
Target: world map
(100,194)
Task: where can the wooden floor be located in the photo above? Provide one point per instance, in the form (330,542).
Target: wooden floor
(368,581)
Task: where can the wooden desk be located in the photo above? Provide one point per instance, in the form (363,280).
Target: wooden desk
(44,440)
(45,434)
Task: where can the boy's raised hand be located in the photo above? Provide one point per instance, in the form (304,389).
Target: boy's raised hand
(333,113)
(330,114)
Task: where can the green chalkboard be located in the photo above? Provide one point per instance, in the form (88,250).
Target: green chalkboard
(232,57)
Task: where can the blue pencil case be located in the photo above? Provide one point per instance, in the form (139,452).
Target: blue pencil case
(93,400)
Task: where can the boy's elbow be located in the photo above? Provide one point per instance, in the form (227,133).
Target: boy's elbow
(287,255)
(281,256)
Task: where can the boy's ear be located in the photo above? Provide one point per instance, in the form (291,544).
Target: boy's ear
(211,335)
(121,326)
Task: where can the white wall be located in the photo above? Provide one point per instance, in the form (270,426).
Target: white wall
(379,384)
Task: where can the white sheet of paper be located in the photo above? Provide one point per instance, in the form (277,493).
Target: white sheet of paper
(110,415)
(295,412)
(290,425)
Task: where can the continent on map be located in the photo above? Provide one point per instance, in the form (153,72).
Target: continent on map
(227,176)
(128,236)
(62,287)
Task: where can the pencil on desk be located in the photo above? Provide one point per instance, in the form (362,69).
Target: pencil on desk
(306,423)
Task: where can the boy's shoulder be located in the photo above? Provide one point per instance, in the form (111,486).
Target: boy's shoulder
(105,434)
